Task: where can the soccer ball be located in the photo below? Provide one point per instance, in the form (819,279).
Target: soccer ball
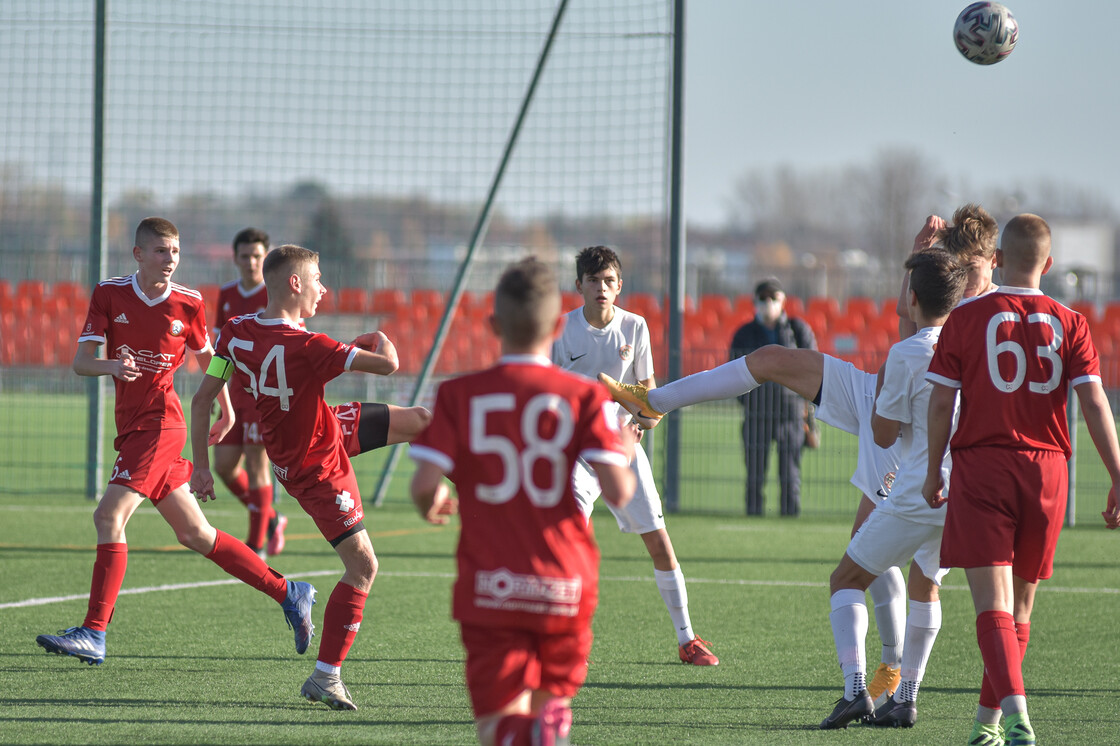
(985,33)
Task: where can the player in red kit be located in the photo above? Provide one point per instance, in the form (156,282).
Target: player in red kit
(252,485)
(147,324)
(528,565)
(286,367)
(1013,356)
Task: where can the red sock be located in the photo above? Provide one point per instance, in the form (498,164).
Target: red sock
(999,647)
(243,563)
(239,486)
(108,574)
(516,730)
(341,620)
(987,692)
(260,513)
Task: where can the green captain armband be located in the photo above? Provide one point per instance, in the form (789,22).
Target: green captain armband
(219,367)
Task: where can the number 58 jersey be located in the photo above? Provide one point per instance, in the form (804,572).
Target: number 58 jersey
(285,369)
(508,437)
(1014,354)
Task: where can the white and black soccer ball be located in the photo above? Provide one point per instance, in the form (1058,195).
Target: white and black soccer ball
(985,33)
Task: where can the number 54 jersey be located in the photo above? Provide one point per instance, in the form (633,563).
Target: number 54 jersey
(508,438)
(285,369)
(1014,354)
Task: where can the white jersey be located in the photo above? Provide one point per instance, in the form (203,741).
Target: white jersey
(905,399)
(847,397)
(621,349)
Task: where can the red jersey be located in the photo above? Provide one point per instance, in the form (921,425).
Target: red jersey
(1014,354)
(286,369)
(508,437)
(157,332)
(234,301)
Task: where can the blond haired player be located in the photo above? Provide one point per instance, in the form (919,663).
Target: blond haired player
(286,368)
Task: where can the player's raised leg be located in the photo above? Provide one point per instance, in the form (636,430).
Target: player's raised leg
(799,370)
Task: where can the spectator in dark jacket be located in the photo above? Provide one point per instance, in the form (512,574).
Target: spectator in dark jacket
(770,412)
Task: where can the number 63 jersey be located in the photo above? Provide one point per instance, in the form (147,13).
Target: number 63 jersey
(1014,354)
(285,369)
(508,438)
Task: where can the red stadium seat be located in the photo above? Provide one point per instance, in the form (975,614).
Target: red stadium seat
(353,300)
(717,304)
(570,300)
(210,300)
(388,301)
(1086,309)
(431,301)
(31,293)
(794,307)
(825,306)
(643,304)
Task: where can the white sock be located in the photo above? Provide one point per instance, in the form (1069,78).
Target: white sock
(1013,704)
(849,629)
(721,382)
(673,592)
(327,668)
(988,716)
(922,627)
(888,593)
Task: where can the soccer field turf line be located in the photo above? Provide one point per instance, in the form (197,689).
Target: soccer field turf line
(450,576)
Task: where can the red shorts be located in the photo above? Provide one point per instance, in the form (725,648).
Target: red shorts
(246,430)
(150,462)
(365,426)
(503,662)
(333,503)
(1006,507)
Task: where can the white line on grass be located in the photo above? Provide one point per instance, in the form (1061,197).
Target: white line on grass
(450,576)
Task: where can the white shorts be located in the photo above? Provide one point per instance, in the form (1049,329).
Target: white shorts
(642,514)
(847,398)
(886,540)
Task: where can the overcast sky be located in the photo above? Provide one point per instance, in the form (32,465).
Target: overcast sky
(820,83)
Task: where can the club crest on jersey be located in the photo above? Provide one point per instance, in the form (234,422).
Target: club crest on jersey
(176,328)
(626,352)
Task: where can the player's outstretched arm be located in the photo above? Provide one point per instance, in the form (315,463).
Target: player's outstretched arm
(87,363)
(376,354)
(202,481)
(1102,429)
(431,495)
(942,402)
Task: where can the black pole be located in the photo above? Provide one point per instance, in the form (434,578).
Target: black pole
(677,275)
(95,387)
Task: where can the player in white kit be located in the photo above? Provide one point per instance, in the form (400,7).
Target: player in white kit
(599,338)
